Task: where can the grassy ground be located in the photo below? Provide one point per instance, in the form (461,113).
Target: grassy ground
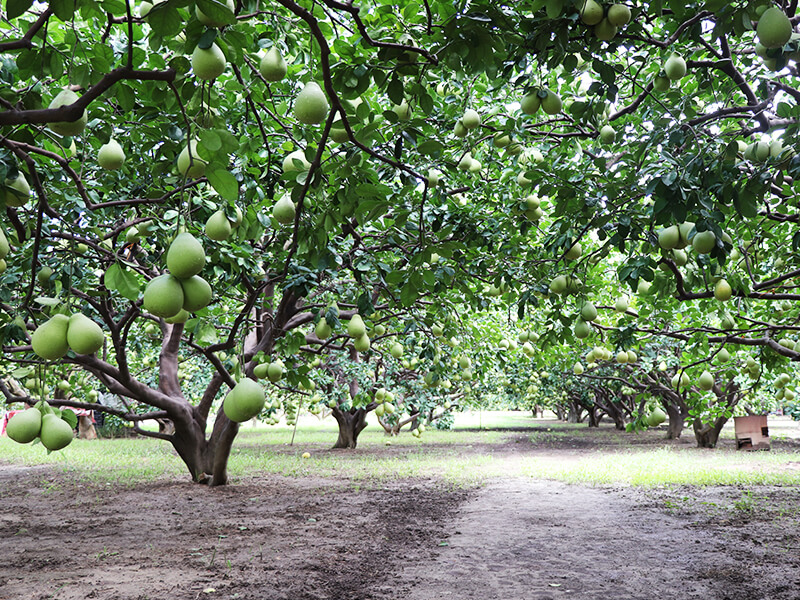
(481,446)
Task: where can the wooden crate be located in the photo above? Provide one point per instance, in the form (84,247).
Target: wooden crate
(752,432)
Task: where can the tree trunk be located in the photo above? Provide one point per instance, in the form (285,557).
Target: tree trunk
(676,421)
(351,423)
(707,435)
(594,421)
(207,460)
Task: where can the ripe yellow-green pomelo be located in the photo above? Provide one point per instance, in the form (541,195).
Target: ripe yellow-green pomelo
(622,357)
(706,381)
(621,305)
(296,162)
(323,330)
(338,132)
(208,63)
(466,162)
(669,237)
(218,227)
(185,257)
(656,418)
(774,28)
(24,427)
(581,330)
(56,433)
(206,20)
(591,13)
(84,336)
(551,103)
(50,338)
(284,210)
(605,30)
(356,327)
(189,162)
(675,67)
(577,369)
(575,251)
(44,275)
(111,156)
(17,191)
(396,350)
(64,128)
(588,312)
(163,296)
(703,242)
(4,246)
(260,371)
(3,266)
(723,355)
(619,15)
(272,66)
(558,285)
(459,130)
(362,343)
(607,134)
(722,291)
(244,401)
(181,317)
(471,119)
(196,293)
(275,371)
(311,105)
(501,140)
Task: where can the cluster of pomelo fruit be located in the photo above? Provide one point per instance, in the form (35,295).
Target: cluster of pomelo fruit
(174,295)
(60,334)
(43,422)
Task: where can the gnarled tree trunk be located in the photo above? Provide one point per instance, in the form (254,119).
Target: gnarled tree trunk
(707,435)
(351,423)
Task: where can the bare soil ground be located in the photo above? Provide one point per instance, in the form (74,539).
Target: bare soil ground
(276,538)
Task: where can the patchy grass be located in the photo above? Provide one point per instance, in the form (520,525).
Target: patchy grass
(511,444)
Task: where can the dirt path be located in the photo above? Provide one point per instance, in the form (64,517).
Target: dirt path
(544,540)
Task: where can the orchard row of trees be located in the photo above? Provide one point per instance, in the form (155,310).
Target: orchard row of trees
(432,167)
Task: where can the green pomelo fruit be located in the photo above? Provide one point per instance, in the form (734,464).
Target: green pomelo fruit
(272,66)
(24,427)
(591,13)
(501,140)
(723,355)
(703,242)
(64,128)
(275,371)
(669,237)
(5,248)
(661,84)
(362,343)
(181,317)
(396,350)
(656,418)
(163,296)
(622,357)
(260,371)
(774,28)
(706,381)
(459,130)
(49,341)
(356,327)
(471,119)
(218,227)
(607,134)
(722,291)
(621,305)
(588,312)
(685,229)
(379,329)
(196,293)
(244,401)
(284,210)
(403,111)
(84,336)
(44,275)
(289,165)
(581,331)
(675,67)
(206,20)
(191,165)
(605,30)
(619,15)
(338,132)
(558,285)
(577,369)
(185,257)
(575,251)
(323,330)
(208,63)
(632,357)
(56,433)
(111,156)
(551,103)
(17,191)
(311,105)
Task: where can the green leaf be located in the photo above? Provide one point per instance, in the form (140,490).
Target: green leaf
(205,333)
(225,183)
(47,301)
(217,12)
(207,39)
(165,21)
(395,90)
(70,417)
(123,281)
(15,8)
(63,9)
